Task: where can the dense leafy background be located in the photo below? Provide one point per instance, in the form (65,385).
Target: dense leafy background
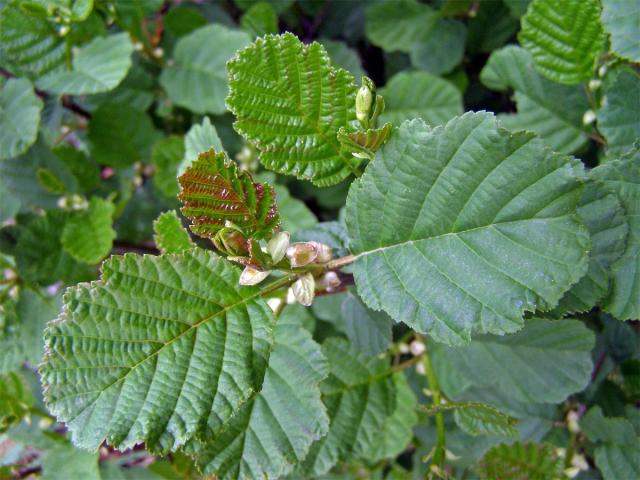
(514,254)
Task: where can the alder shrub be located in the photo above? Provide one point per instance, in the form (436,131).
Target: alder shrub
(227,254)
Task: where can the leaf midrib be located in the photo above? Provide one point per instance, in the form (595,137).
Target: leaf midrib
(194,326)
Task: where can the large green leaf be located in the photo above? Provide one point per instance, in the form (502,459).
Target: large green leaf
(466,226)
(367,330)
(565,38)
(621,19)
(604,217)
(19,117)
(290,103)
(559,351)
(616,451)
(618,118)
(198,80)
(21,340)
(552,111)
(398,24)
(622,178)
(88,236)
(420,95)
(371,409)
(214,192)
(121,135)
(98,67)
(164,348)
(29,44)
(275,428)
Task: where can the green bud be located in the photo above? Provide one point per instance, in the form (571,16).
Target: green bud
(231,242)
(364,101)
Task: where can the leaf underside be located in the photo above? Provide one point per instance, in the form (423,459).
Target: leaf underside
(472,238)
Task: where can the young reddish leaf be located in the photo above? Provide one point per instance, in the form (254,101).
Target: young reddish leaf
(214,192)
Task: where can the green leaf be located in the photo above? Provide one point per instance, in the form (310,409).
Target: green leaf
(604,217)
(50,181)
(443,48)
(481,219)
(490,28)
(364,144)
(64,461)
(19,117)
(160,349)
(396,25)
(622,178)
(616,452)
(84,171)
(260,19)
(618,118)
(136,90)
(564,38)
(521,461)
(290,103)
(16,400)
(29,44)
(482,419)
(121,135)
(344,57)
(19,180)
(98,67)
(371,410)
(620,19)
(40,257)
(278,5)
(198,80)
(276,426)
(199,139)
(552,111)
(477,418)
(214,191)
(22,338)
(170,236)
(420,94)
(295,215)
(367,330)
(167,155)
(88,236)
(560,351)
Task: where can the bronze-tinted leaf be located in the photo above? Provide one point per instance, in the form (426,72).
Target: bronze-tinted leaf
(214,192)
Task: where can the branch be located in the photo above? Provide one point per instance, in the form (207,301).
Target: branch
(438,455)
